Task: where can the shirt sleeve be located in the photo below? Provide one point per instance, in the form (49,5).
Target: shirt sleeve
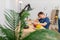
(47,20)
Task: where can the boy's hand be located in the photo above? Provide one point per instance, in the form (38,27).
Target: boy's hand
(43,24)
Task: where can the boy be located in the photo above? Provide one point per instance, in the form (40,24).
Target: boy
(44,21)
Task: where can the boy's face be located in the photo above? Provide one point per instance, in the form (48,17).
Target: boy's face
(41,16)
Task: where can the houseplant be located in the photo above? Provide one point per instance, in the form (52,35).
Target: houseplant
(12,22)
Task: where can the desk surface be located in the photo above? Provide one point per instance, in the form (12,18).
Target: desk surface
(30,29)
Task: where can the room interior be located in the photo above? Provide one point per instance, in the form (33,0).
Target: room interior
(48,7)
(51,8)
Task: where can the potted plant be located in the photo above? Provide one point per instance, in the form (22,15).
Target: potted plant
(14,20)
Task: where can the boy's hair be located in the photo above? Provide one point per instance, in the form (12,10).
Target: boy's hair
(40,13)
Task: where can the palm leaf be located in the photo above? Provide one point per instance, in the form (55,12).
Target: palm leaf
(9,33)
(24,15)
(22,19)
(43,34)
(12,18)
(1,38)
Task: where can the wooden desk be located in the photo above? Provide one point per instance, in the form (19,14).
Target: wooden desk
(26,31)
(29,30)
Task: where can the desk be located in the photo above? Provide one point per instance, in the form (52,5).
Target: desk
(26,31)
(29,30)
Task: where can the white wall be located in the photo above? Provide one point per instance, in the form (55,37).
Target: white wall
(2,6)
(41,5)
(6,4)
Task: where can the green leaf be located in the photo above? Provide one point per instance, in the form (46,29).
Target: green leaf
(12,18)
(9,33)
(43,34)
(24,15)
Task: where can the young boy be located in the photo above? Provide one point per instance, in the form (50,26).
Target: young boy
(44,21)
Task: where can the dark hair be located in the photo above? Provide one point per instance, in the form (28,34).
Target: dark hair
(40,13)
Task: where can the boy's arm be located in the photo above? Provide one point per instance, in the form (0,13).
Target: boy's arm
(44,24)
